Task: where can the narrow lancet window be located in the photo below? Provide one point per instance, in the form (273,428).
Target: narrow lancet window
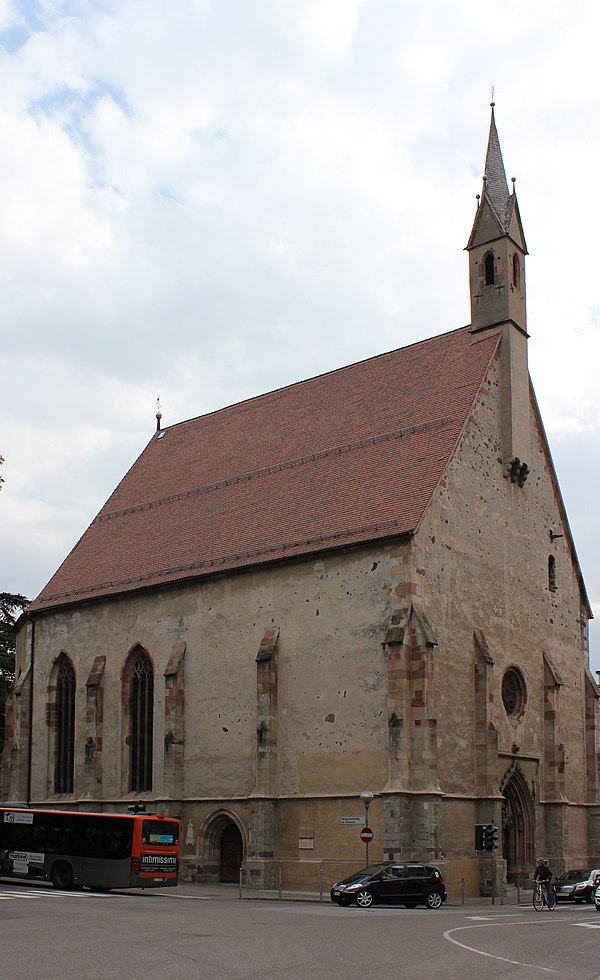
(516,271)
(490,277)
(65,726)
(141,710)
(552,574)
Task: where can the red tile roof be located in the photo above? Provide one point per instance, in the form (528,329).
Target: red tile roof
(347,457)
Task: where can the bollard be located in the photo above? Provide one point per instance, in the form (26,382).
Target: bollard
(321,885)
(462,891)
(279,882)
(518,891)
(241,892)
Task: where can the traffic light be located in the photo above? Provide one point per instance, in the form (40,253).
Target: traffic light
(486,837)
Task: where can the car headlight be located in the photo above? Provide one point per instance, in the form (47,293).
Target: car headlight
(352,888)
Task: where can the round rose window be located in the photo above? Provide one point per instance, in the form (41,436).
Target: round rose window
(514,692)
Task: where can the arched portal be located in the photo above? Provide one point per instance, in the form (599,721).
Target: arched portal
(223,848)
(518,827)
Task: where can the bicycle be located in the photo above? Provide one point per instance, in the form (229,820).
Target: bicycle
(539,899)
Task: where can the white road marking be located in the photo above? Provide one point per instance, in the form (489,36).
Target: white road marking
(587,925)
(49,893)
(493,956)
(492,918)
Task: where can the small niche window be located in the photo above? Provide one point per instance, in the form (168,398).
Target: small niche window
(514,692)
(516,270)
(552,574)
(489,269)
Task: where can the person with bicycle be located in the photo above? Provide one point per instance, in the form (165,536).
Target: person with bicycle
(543,875)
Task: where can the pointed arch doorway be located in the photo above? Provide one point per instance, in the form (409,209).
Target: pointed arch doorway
(224,848)
(518,827)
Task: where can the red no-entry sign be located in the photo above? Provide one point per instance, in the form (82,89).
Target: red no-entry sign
(366,835)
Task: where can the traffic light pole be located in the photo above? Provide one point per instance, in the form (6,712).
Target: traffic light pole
(493,832)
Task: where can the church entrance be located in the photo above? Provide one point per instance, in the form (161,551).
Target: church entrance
(223,850)
(518,828)
(232,853)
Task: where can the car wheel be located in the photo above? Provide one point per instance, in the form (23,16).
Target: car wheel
(62,875)
(433,900)
(364,898)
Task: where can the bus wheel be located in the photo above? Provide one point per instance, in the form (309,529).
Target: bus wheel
(62,875)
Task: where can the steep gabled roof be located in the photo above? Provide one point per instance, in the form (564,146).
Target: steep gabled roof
(498,214)
(347,457)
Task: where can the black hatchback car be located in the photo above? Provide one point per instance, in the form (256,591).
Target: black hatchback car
(408,884)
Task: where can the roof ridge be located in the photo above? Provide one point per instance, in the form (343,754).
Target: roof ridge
(275,468)
(315,377)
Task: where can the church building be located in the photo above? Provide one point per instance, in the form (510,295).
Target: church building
(365,581)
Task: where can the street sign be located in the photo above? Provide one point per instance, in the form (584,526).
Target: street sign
(366,835)
(351,821)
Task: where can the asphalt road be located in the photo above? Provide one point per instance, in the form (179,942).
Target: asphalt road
(47,935)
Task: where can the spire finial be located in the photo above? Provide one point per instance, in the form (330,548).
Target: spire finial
(493,91)
(158,414)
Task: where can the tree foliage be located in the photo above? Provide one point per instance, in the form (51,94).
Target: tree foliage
(11,607)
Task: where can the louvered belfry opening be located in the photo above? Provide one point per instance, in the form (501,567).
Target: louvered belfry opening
(141,704)
(65,727)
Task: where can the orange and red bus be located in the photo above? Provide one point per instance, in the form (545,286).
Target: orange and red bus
(100,851)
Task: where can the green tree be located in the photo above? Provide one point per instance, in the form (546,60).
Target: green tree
(11,607)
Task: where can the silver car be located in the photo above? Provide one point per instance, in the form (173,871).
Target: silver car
(597,898)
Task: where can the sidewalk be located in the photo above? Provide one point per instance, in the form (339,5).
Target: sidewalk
(231,892)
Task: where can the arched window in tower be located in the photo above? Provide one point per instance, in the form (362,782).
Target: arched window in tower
(141,711)
(65,725)
(489,269)
(516,271)
(552,574)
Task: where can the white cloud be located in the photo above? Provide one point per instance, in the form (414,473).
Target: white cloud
(331,23)
(206,200)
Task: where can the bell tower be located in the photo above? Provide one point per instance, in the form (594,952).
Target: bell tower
(497,251)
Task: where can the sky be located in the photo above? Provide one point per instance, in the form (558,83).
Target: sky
(204,200)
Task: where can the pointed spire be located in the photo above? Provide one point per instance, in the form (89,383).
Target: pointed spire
(495,185)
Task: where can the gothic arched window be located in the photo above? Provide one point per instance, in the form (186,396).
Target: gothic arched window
(141,710)
(65,725)
(489,268)
(552,574)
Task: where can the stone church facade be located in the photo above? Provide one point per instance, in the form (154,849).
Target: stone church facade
(363,581)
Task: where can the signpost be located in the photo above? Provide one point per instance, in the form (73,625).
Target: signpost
(366,836)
